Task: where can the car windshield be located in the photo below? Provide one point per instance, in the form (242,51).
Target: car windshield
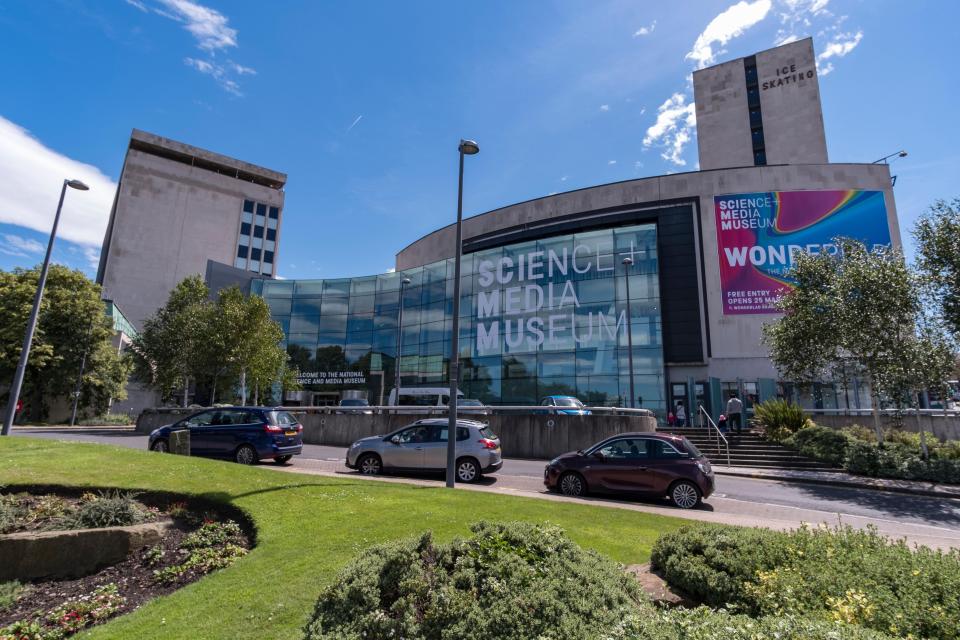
(568,402)
(469,403)
(692,448)
(280,417)
(353,402)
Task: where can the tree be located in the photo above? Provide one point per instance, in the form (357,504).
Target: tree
(938,256)
(167,348)
(71,323)
(856,313)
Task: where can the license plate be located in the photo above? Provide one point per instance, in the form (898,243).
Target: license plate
(291,433)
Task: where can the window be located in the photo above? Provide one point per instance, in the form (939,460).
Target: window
(415,435)
(242,252)
(626,449)
(254,254)
(268,257)
(248,206)
(661,449)
(261,209)
(201,419)
(244,228)
(274,213)
(258,232)
(271,234)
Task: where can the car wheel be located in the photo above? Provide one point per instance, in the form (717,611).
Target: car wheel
(161,446)
(685,495)
(573,484)
(369,464)
(282,459)
(467,470)
(246,454)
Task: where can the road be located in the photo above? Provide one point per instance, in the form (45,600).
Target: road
(925,520)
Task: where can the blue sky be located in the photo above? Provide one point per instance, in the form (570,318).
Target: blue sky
(362,104)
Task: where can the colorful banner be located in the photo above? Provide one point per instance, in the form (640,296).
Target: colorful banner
(759,235)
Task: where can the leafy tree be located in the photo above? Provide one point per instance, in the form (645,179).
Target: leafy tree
(167,349)
(71,323)
(938,256)
(857,313)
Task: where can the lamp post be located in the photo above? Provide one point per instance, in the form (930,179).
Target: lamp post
(627,263)
(468,148)
(396,370)
(34,313)
(884,159)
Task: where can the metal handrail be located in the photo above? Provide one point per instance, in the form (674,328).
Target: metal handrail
(716,430)
(883,412)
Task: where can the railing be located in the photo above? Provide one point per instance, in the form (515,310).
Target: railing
(438,410)
(885,412)
(714,430)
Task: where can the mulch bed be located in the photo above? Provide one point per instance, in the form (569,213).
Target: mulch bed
(134,576)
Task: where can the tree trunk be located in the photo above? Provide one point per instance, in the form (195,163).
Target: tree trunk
(186,389)
(213,391)
(875,410)
(243,388)
(923,434)
(256,395)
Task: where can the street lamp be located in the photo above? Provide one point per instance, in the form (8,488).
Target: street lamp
(34,313)
(466,148)
(396,371)
(627,263)
(884,159)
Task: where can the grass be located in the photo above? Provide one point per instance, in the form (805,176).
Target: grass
(308,527)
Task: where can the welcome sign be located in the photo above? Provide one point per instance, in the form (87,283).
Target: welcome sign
(760,234)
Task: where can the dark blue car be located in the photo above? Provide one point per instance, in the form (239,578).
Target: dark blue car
(564,405)
(243,434)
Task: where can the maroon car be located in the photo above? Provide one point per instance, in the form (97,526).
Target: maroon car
(653,464)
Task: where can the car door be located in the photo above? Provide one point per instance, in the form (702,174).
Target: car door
(435,448)
(624,466)
(405,449)
(200,434)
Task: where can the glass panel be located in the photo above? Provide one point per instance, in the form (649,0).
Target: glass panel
(248,206)
(242,252)
(271,234)
(261,209)
(274,213)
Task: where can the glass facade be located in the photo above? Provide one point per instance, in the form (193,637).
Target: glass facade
(537,318)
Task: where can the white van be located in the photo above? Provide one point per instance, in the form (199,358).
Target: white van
(422,397)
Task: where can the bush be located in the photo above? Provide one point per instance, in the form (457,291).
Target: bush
(108,419)
(508,581)
(779,419)
(821,443)
(109,509)
(900,461)
(839,575)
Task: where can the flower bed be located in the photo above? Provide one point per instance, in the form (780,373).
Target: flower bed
(201,541)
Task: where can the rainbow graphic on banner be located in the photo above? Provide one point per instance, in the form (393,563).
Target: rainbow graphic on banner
(759,235)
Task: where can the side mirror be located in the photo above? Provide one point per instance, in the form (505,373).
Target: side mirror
(598,455)
(395,439)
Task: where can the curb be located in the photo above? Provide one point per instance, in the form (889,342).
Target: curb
(840,482)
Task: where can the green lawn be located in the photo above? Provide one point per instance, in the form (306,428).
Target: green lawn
(307,527)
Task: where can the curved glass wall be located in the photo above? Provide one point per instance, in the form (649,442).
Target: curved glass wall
(536,318)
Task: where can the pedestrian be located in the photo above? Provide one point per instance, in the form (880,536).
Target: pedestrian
(722,423)
(681,414)
(735,412)
(671,419)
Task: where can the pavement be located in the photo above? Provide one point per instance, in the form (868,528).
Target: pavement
(928,515)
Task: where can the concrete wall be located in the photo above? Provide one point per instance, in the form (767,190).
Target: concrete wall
(521,436)
(723,120)
(943,427)
(169,218)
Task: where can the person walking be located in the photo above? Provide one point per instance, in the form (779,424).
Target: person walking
(735,413)
(681,414)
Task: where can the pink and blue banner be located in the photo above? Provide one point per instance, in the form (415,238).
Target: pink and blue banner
(759,235)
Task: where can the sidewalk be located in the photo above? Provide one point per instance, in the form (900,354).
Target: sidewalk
(841,479)
(75,429)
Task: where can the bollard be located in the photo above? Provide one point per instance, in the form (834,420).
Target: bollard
(180,442)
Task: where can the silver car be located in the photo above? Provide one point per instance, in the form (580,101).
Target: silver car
(422,446)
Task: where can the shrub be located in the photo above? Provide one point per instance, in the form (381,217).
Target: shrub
(705,624)
(839,575)
(111,419)
(212,534)
(68,618)
(10,592)
(821,443)
(900,461)
(215,545)
(109,509)
(507,581)
(779,419)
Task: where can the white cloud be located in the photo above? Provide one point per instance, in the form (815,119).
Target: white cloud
(354,123)
(93,257)
(725,27)
(611,162)
(841,45)
(33,175)
(564,178)
(645,31)
(212,33)
(391,270)
(208,26)
(604,107)
(14,245)
(637,165)
(795,18)
(676,119)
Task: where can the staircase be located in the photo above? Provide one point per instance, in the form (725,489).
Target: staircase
(747,450)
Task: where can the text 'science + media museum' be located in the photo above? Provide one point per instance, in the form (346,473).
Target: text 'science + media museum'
(544,303)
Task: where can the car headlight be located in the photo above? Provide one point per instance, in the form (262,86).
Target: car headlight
(355,445)
(554,462)
(704,467)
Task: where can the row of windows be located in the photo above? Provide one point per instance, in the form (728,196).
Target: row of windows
(256,244)
(254,254)
(249,206)
(258,231)
(756,116)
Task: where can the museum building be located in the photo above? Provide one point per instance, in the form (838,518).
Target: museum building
(547,297)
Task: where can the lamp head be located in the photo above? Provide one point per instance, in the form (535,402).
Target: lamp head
(405,281)
(902,154)
(76,184)
(469,147)
(627,261)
